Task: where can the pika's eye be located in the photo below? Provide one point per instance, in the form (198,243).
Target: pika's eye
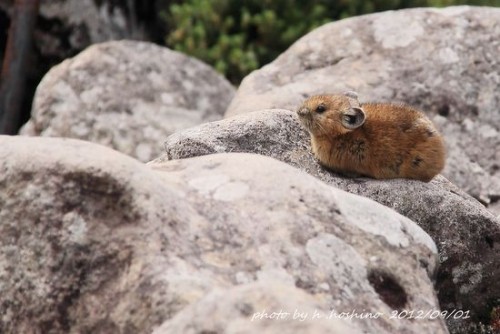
(321,108)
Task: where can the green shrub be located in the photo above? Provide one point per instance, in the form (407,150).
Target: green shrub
(237,37)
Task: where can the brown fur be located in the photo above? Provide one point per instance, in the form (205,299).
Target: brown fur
(395,140)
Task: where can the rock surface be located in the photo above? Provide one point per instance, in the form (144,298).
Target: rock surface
(91,22)
(248,309)
(467,235)
(127,95)
(94,241)
(444,61)
(66,26)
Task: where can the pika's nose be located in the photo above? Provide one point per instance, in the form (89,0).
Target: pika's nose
(303,111)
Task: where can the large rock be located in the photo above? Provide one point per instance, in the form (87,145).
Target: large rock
(467,235)
(66,26)
(444,61)
(256,308)
(88,21)
(127,95)
(94,241)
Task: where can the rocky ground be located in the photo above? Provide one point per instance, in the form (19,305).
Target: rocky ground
(234,227)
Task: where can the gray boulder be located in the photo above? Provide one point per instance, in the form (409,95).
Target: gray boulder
(72,25)
(467,235)
(89,22)
(256,308)
(444,61)
(94,241)
(127,95)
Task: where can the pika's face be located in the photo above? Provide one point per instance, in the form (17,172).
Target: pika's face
(330,115)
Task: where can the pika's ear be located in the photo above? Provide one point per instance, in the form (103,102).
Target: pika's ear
(351,94)
(353,118)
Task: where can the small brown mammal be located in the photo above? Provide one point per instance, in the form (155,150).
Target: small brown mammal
(379,140)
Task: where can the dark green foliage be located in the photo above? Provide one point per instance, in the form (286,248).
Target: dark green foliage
(237,37)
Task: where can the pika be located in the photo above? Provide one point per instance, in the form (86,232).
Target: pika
(378,140)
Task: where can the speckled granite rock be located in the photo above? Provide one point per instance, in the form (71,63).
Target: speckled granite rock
(257,308)
(467,235)
(94,241)
(444,61)
(127,95)
(66,26)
